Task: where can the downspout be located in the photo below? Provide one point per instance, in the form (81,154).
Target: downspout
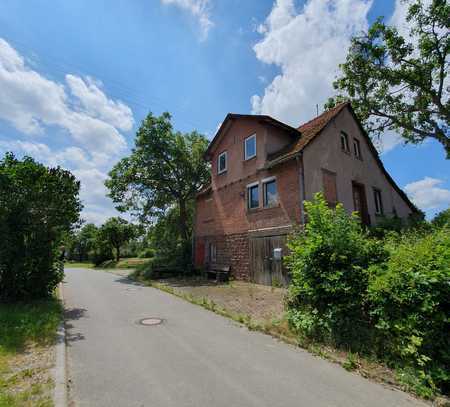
(299,159)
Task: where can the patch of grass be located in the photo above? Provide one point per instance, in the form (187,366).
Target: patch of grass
(26,326)
(35,322)
(351,363)
(126,263)
(78,265)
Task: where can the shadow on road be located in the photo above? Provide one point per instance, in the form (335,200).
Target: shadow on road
(73,314)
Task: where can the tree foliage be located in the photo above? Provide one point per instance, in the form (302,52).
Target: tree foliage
(38,206)
(81,243)
(442,218)
(165,170)
(116,232)
(400,82)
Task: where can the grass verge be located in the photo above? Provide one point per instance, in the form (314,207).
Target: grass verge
(26,333)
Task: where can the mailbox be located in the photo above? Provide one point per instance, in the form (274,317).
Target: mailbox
(277,253)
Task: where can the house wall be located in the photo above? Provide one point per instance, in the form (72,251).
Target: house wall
(325,153)
(222,215)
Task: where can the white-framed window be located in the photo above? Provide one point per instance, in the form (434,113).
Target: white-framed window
(253,196)
(270,193)
(378,201)
(357,148)
(222,162)
(344,142)
(250,147)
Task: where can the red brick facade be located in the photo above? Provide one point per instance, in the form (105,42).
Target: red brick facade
(222,215)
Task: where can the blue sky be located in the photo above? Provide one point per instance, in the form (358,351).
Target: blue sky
(76,78)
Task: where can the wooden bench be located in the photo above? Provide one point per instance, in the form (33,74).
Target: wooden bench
(220,271)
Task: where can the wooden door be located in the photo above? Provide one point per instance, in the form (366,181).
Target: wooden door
(264,268)
(360,202)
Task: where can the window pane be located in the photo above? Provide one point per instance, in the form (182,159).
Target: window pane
(253,197)
(250,147)
(270,193)
(222,165)
(344,141)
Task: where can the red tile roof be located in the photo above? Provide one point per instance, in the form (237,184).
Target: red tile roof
(308,131)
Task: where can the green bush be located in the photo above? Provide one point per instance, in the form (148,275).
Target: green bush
(329,261)
(147,253)
(38,206)
(409,296)
(442,219)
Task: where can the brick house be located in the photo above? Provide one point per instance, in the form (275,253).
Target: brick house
(262,171)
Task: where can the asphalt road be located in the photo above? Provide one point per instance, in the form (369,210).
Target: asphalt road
(195,358)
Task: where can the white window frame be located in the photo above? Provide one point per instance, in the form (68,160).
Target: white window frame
(248,187)
(219,171)
(264,182)
(246,157)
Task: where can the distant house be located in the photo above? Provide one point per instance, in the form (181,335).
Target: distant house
(263,170)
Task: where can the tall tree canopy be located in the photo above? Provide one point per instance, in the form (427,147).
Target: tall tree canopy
(117,232)
(400,82)
(165,169)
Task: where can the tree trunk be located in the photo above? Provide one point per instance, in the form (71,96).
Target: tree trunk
(118,254)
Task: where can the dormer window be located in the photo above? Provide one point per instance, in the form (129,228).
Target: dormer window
(357,148)
(250,147)
(222,163)
(344,142)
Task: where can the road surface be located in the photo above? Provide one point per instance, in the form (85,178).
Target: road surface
(194,358)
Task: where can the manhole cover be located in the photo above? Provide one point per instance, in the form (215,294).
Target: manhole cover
(150,321)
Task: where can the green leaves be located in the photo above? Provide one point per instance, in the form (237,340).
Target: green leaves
(390,297)
(38,206)
(166,169)
(400,83)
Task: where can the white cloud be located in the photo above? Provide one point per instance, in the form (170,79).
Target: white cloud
(307,45)
(30,102)
(97,104)
(91,123)
(199,9)
(427,195)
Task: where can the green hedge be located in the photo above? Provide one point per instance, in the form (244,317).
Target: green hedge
(388,298)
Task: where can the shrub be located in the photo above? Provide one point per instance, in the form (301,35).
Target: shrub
(409,296)
(38,206)
(147,253)
(329,261)
(442,219)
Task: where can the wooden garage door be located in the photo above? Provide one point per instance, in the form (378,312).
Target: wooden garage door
(264,268)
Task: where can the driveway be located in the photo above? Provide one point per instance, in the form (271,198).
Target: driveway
(194,358)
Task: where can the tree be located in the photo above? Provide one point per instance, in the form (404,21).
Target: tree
(400,82)
(38,207)
(165,169)
(83,242)
(442,218)
(116,232)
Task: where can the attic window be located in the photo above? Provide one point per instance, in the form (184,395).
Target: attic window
(357,148)
(222,163)
(344,142)
(250,147)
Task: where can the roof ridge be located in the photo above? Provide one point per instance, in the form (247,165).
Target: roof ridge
(337,107)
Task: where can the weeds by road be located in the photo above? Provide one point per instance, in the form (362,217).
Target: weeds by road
(27,332)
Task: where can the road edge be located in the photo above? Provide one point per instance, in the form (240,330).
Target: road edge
(60,369)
